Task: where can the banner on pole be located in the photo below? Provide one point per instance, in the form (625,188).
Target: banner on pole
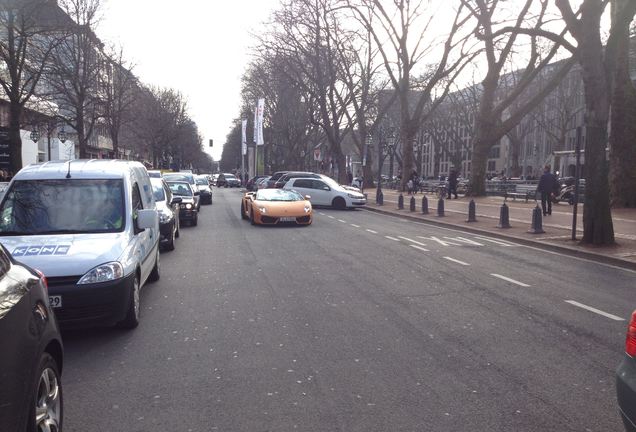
(243,137)
(260,108)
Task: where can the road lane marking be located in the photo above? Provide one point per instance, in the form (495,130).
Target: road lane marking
(392,238)
(509,280)
(464,240)
(355,226)
(457,261)
(371,231)
(596,311)
(441,242)
(331,217)
(343,221)
(495,241)
(419,248)
(412,241)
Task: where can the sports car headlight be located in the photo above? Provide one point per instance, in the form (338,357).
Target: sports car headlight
(263,210)
(307,208)
(103,273)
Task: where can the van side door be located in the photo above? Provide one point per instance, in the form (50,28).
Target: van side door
(143,239)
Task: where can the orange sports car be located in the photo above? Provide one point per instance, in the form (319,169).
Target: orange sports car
(274,206)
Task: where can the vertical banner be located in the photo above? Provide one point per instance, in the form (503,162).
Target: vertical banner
(260,108)
(243,137)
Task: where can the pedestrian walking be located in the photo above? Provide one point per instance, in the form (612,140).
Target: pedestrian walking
(548,186)
(350,177)
(452,183)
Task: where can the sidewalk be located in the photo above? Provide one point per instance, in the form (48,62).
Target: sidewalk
(557,227)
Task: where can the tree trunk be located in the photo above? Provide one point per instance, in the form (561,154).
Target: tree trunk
(81,137)
(478,166)
(408,162)
(623,123)
(15,141)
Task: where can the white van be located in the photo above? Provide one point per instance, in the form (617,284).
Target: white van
(92,228)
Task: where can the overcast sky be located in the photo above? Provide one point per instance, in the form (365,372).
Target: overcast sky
(198,47)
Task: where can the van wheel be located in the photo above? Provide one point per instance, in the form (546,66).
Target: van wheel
(339,203)
(154,274)
(132,315)
(46,410)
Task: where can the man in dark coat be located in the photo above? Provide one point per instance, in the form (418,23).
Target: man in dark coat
(548,185)
(452,183)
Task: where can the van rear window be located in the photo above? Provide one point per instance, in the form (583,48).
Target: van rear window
(33,207)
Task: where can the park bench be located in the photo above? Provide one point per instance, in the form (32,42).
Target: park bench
(523,191)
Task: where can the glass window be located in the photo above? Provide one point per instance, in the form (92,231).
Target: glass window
(158,192)
(180,188)
(63,206)
(302,183)
(319,184)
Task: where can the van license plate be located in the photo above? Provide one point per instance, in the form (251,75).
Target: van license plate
(288,219)
(55,301)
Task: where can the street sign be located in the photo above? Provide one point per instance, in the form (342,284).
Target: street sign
(317,155)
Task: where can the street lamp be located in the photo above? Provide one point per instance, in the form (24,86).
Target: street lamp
(35,135)
(383,145)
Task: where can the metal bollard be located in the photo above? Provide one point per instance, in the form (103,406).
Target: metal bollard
(412,204)
(537,221)
(380,198)
(504,217)
(472,212)
(401,202)
(424,205)
(440,207)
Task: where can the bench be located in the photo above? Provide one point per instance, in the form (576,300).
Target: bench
(523,191)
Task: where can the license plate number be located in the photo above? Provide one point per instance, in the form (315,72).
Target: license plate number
(55,301)
(288,219)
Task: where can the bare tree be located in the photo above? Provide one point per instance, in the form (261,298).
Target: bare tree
(118,85)
(32,31)
(402,32)
(76,71)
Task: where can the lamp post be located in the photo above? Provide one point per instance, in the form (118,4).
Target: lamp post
(35,135)
(385,144)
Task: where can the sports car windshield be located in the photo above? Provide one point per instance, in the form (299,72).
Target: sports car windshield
(278,195)
(35,207)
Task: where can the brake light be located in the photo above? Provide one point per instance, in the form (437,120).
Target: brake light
(43,279)
(630,340)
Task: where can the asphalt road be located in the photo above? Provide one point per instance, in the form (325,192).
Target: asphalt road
(360,322)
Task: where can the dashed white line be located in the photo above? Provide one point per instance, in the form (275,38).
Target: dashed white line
(596,311)
(495,241)
(412,241)
(371,231)
(321,213)
(419,248)
(355,226)
(457,261)
(331,217)
(392,238)
(509,280)
(343,221)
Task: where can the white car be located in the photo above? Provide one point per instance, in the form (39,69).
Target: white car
(326,192)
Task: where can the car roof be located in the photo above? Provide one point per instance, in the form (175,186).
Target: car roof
(79,169)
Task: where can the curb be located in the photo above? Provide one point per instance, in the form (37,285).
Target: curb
(526,242)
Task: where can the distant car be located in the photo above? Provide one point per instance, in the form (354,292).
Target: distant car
(187,177)
(276,206)
(32,351)
(231,180)
(154,174)
(324,191)
(168,208)
(626,379)
(213,178)
(220,180)
(272,180)
(205,190)
(252,183)
(262,183)
(187,208)
(294,174)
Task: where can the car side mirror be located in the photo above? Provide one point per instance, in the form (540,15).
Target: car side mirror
(176,200)
(307,197)
(147,219)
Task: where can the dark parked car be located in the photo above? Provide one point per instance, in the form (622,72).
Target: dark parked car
(272,180)
(626,379)
(32,352)
(294,174)
(168,208)
(203,183)
(252,183)
(186,177)
(187,208)
(231,180)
